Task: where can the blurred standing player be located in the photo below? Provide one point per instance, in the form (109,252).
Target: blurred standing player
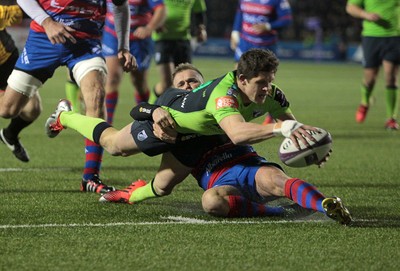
(172,40)
(146,16)
(10,14)
(66,33)
(381,46)
(256,25)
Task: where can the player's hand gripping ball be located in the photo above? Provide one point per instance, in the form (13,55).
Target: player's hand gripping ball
(306,155)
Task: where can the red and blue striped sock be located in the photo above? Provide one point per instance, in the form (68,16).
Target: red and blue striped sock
(94,155)
(239,206)
(111,104)
(142,98)
(304,194)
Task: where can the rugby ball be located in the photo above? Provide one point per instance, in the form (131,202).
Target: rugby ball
(306,155)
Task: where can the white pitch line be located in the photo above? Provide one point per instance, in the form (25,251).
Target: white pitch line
(174,220)
(171,220)
(11,169)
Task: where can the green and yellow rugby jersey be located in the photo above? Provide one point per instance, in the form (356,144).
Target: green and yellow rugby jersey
(199,111)
(389,10)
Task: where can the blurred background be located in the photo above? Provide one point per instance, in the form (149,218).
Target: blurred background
(321,31)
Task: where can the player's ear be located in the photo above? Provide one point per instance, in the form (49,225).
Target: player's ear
(242,79)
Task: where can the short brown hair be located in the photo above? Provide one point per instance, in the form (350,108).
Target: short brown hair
(254,61)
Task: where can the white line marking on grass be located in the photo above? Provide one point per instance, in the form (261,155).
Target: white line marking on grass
(34,169)
(171,220)
(187,220)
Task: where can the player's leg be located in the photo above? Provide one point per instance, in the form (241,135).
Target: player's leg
(165,67)
(22,104)
(371,64)
(114,77)
(391,93)
(170,174)
(143,51)
(228,201)
(9,134)
(232,193)
(92,87)
(116,142)
(272,181)
(90,74)
(72,94)
(165,73)
(139,81)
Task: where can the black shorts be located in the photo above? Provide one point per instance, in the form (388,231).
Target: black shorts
(176,51)
(189,151)
(7,67)
(377,49)
(147,142)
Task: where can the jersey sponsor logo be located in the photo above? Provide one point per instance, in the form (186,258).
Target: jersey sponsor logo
(144,110)
(142,136)
(69,8)
(226,101)
(184,101)
(25,58)
(217,160)
(254,8)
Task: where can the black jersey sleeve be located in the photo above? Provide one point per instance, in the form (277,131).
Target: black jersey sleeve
(143,111)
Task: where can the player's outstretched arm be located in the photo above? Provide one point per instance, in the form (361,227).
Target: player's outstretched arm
(242,132)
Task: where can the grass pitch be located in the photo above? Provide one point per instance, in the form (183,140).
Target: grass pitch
(47,224)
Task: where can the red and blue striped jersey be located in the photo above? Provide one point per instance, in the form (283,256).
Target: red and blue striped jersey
(85,16)
(277,13)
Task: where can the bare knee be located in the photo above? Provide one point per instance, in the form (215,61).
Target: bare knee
(215,204)
(8,113)
(270,181)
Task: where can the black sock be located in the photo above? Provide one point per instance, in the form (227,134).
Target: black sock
(15,127)
(98,130)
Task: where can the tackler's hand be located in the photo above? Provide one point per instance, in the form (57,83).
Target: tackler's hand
(127,60)
(167,134)
(162,118)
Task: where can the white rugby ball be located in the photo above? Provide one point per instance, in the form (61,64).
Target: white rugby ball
(306,155)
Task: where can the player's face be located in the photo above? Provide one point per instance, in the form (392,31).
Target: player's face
(256,88)
(187,80)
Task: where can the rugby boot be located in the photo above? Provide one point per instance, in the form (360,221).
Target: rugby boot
(361,113)
(95,185)
(15,146)
(335,209)
(391,124)
(123,195)
(53,126)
